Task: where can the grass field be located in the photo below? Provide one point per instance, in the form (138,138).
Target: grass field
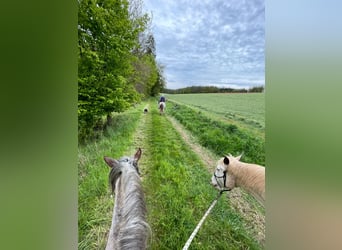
(219,135)
(245,110)
(174,177)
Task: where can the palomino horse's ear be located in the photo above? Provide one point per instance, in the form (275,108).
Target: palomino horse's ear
(111,162)
(137,155)
(226,160)
(238,157)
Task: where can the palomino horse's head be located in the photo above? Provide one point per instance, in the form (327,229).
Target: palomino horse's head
(222,177)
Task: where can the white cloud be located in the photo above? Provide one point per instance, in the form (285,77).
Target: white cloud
(203,42)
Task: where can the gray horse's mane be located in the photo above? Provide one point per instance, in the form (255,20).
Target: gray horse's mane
(114,174)
(129,227)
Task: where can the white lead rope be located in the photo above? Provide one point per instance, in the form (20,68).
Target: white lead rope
(192,236)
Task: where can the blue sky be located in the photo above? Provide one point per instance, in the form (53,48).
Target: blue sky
(210,42)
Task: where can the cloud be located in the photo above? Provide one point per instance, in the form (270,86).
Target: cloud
(204,42)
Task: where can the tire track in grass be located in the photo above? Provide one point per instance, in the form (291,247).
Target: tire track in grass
(141,141)
(254,218)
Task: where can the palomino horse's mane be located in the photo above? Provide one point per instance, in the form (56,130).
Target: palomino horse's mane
(129,228)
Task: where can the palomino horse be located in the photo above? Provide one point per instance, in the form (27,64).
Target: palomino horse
(231,172)
(162,106)
(129,229)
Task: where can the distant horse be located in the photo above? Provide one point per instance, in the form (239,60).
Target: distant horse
(231,172)
(162,106)
(129,229)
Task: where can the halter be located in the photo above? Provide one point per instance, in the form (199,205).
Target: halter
(224,176)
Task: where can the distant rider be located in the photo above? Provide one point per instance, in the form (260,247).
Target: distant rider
(162,104)
(162,99)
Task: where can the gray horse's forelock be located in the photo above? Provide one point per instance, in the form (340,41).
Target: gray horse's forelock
(114,174)
(129,227)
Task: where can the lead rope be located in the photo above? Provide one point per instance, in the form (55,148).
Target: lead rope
(192,236)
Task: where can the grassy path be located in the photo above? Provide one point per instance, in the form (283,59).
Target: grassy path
(177,189)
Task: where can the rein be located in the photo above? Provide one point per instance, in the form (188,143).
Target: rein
(192,236)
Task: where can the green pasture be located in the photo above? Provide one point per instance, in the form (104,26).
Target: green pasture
(243,109)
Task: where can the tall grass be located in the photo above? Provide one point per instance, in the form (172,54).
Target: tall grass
(242,109)
(220,137)
(178,193)
(94,202)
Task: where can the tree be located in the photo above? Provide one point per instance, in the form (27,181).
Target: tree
(149,45)
(107,35)
(256,89)
(147,76)
(160,84)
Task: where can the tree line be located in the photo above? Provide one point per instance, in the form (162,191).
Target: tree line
(212,89)
(117,64)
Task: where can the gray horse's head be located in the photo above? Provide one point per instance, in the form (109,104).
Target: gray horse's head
(124,162)
(129,229)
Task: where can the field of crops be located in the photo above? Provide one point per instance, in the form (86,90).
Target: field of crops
(245,109)
(175,178)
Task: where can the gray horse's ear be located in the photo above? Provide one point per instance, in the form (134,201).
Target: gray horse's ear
(111,162)
(226,160)
(137,155)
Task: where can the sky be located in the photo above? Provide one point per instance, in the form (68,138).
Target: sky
(209,42)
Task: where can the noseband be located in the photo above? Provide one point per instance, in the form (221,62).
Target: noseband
(224,176)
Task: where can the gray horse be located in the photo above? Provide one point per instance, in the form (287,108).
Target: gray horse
(129,229)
